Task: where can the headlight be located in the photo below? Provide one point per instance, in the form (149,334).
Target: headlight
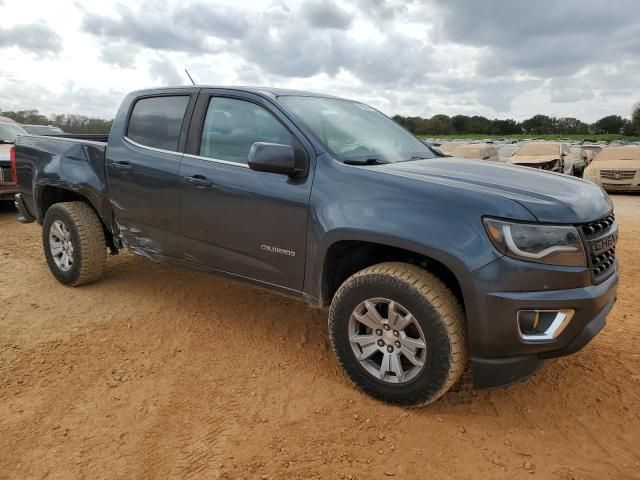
(550,244)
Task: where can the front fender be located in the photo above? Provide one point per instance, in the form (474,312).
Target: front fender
(432,220)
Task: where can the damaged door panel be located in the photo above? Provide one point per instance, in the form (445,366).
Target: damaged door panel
(143,168)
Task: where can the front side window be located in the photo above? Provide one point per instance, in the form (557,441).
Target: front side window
(157,121)
(355,131)
(232,126)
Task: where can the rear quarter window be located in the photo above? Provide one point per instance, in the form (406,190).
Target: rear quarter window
(157,121)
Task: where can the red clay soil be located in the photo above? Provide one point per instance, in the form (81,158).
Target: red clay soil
(158,372)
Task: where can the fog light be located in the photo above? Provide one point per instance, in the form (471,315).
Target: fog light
(542,325)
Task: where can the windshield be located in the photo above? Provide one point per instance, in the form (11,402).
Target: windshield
(9,132)
(354,131)
(539,149)
(623,153)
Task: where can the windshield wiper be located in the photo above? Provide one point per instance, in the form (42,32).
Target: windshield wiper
(415,157)
(367,161)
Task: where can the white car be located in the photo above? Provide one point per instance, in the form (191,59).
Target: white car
(616,169)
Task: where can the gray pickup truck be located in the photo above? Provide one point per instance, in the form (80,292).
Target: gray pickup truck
(426,263)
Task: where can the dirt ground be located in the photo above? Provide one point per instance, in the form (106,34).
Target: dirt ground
(158,372)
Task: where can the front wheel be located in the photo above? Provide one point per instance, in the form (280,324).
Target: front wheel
(399,333)
(74,243)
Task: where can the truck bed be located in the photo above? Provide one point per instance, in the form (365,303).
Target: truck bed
(73,162)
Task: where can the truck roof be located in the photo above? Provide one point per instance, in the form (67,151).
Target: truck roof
(264,91)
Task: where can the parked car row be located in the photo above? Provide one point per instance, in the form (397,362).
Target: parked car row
(9,130)
(615,167)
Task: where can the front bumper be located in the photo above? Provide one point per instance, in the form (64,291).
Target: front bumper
(499,355)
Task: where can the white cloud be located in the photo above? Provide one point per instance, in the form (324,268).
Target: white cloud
(505,59)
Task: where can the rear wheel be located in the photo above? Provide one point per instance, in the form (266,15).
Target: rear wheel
(399,333)
(74,243)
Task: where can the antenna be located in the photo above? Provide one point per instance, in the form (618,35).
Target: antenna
(189,75)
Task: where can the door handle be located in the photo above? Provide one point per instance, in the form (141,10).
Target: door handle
(122,165)
(198,181)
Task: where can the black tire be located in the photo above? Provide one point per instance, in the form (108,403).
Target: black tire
(86,237)
(434,307)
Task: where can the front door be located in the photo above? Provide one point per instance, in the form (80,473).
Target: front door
(234,219)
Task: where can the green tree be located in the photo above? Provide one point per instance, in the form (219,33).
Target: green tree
(461,124)
(570,125)
(635,118)
(539,125)
(504,127)
(609,124)
(439,125)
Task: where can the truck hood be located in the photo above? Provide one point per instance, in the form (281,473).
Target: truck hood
(550,197)
(533,159)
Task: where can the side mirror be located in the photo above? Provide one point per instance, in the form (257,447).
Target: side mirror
(272,157)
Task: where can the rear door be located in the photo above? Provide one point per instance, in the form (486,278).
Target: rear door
(143,171)
(234,219)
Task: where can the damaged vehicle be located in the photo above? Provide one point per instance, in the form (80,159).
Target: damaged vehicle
(478,151)
(552,156)
(9,130)
(616,169)
(425,264)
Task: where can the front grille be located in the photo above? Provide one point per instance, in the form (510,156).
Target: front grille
(603,262)
(598,226)
(600,264)
(618,174)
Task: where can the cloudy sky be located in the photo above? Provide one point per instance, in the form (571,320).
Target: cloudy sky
(495,58)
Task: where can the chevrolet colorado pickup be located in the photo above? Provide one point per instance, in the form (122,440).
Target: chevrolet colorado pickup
(426,263)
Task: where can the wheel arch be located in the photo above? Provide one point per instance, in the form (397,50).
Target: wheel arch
(49,195)
(343,258)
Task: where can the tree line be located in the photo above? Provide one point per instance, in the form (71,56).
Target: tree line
(537,125)
(436,125)
(69,122)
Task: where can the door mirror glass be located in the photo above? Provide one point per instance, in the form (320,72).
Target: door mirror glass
(272,157)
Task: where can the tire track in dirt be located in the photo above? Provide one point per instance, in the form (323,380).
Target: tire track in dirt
(158,372)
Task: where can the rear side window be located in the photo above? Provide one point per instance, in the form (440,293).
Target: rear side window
(156,122)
